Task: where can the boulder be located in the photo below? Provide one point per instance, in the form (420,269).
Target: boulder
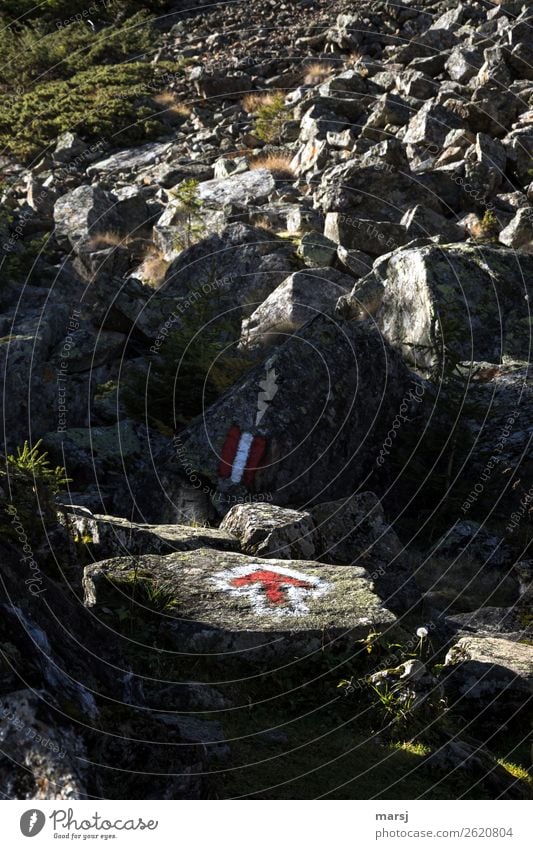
(265,530)
(430,125)
(68,147)
(39,751)
(317,250)
(374,237)
(249,187)
(519,232)
(356,263)
(301,297)
(489,675)
(257,609)
(228,274)
(83,213)
(129,161)
(112,536)
(467,569)
(470,298)
(304,426)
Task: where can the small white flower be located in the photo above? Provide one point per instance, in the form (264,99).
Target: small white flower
(422,633)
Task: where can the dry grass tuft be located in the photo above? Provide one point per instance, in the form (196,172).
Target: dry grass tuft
(168,101)
(317,72)
(259,99)
(153,268)
(109,239)
(278,163)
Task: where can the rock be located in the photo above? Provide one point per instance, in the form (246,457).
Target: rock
(298,416)
(304,295)
(519,232)
(67,148)
(129,160)
(265,530)
(478,766)
(111,536)
(131,209)
(363,301)
(228,274)
(421,221)
(353,529)
(257,609)
(467,569)
(250,187)
(83,213)
(374,237)
(463,64)
(430,125)
(317,250)
(471,297)
(490,674)
(356,263)
(519,147)
(42,757)
(313,154)
(213,86)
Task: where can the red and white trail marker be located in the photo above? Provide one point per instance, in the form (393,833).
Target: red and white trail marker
(272,589)
(241,455)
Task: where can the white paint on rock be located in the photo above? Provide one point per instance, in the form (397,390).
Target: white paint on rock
(296,596)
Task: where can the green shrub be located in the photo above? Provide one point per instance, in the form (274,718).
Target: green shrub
(108,101)
(271,116)
(189,214)
(31,483)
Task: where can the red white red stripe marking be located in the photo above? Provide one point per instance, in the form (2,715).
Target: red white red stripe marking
(272,590)
(240,456)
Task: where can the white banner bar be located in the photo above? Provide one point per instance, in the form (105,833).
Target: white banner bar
(268,824)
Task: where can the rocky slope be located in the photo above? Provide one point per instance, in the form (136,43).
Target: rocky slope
(281,350)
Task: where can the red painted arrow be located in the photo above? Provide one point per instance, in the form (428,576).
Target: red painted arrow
(273,582)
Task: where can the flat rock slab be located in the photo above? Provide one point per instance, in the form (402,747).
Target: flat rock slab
(226,602)
(110,536)
(490,672)
(240,188)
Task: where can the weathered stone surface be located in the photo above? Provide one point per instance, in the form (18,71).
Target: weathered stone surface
(467,569)
(357,263)
(250,187)
(111,536)
(469,297)
(303,296)
(317,250)
(266,530)
(82,213)
(37,753)
(490,674)
(374,237)
(519,232)
(131,159)
(313,402)
(256,608)
(230,273)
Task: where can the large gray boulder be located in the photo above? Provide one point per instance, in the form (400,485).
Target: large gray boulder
(472,299)
(83,213)
(250,187)
(255,608)
(304,427)
(112,536)
(228,274)
(301,297)
(490,675)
